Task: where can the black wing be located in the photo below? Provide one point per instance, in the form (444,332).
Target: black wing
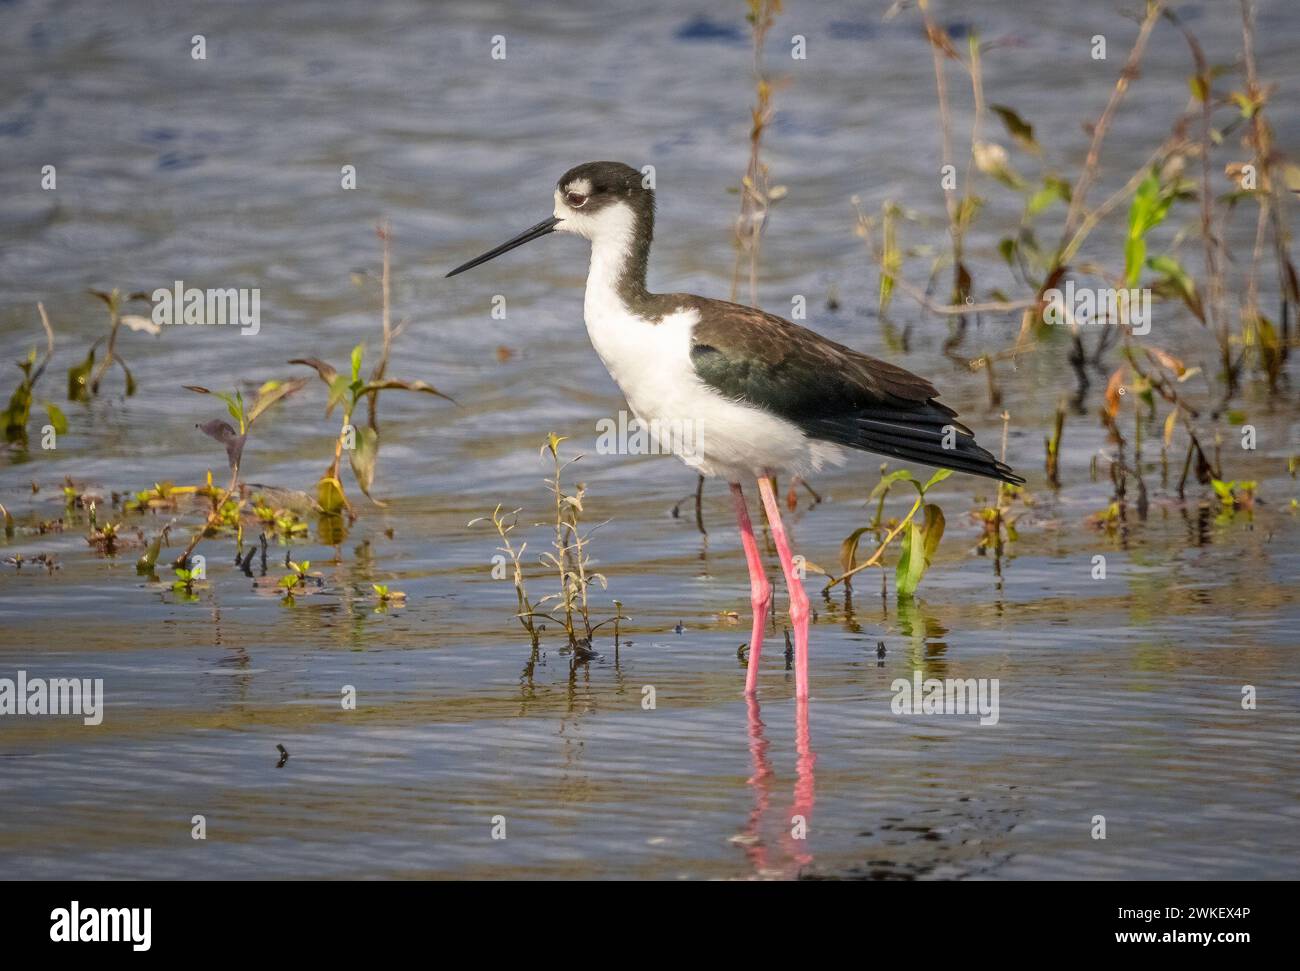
(830,391)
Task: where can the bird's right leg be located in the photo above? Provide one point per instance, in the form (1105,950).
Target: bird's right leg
(798,599)
(760,591)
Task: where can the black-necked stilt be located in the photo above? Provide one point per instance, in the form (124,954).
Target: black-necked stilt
(764,396)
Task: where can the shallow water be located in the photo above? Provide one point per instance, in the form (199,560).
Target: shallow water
(1118,697)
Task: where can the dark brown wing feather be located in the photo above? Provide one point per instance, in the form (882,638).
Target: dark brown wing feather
(831,391)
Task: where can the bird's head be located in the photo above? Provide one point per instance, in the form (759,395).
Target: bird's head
(598,198)
(595,200)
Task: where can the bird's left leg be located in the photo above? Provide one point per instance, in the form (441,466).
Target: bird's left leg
(798,599)
(760,591)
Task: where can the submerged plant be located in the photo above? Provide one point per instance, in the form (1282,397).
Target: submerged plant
(568,559)
(920,539)
(526,611)
(227,504)
(387,597)
(361,444)
(283,523)
(296,581)
(163,495)
(183,585)
(568,555)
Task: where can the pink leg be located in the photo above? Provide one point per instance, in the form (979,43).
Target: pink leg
(798,599)
(760,591)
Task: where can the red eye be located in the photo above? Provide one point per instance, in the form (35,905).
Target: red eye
(575,199)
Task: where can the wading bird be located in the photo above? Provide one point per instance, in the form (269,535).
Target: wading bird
(765,396)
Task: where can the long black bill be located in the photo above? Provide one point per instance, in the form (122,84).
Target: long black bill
(547,225)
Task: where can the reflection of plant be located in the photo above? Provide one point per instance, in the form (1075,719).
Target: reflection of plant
(84,378)
(1235,495)
(920,540)
(14,418)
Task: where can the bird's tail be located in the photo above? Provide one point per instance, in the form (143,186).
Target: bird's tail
(929,435)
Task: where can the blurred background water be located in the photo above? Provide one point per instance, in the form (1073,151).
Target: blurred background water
(1119,698)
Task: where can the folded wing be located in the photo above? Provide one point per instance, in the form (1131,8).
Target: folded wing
(830,391)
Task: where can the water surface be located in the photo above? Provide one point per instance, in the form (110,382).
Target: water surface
(1118,697)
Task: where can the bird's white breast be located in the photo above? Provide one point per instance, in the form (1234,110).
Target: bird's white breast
(651,363)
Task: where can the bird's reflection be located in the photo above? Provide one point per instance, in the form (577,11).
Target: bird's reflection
(805,789)
(761,781)
(797,823)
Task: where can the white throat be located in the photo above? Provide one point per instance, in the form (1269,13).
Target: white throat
(611,249)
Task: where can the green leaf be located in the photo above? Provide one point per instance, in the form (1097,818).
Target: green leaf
(933,529)
(911,564)
(1150,205)
(14,418)
(340,389)
(939,476)
(149,557)
(325,370)
(1175,278)
(57,418)
(79,378)
(891,259)
(329,494)
(357,352)
(1019,129)
(1007,247)
(363,458)
(270,393)
(849,548)
(1053,189)
(392,384)
(1135,252)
